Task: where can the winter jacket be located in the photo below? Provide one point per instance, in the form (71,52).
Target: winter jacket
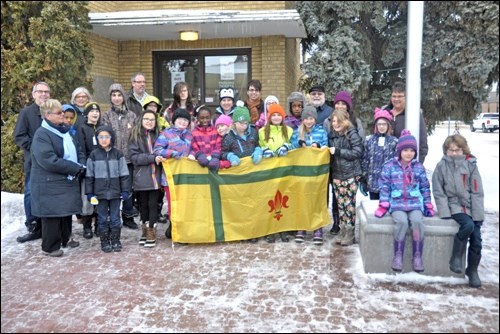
(324,113)
(276,138)
(133,104)
(219,111)
(457,187)
(378,150)
(107,172)
(173,143)
(404,189)
(317,135)
(327,125)
(54,190)
(28,122)
(121,121)
(346,162)
(242,146)
(206,140)
(86,138)
(147,174)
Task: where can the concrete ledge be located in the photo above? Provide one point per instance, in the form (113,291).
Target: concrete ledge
(376,243)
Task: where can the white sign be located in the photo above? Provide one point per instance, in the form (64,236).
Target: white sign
(177,77)
(227,68)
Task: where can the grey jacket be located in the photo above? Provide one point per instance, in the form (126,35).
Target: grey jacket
(457,187)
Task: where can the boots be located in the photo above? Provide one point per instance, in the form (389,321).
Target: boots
(105,242)
(340,236)
(284,237)
(271,238)
(397,260)
(35,232)
(150,237)
(144,227)
(116,245)
(457,254)
(318,237)
(348,236)
(335,227)
(87,227)
(473,260)
(418,251)
(128,221)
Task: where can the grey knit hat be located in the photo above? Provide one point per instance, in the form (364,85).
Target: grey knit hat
(294,97)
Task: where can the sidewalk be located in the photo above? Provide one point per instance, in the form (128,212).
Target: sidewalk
(234,287)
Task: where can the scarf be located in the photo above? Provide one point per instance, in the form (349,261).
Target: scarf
(68,145)
(253,107)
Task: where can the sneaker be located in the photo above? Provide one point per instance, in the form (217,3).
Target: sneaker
(318,237)
(56,253)
(300,237)
(29,236)
(284,237)
(271,238)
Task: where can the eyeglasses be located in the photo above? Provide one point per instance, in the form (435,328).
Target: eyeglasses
(397,96)
(251,90)
(271,102)
(149,119)
(81,97)
(316,93)
(140,82)
(55,113)
(382,124)
(103,137)
(458,150)
(43,91)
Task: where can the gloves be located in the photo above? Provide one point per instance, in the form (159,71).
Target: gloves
(125,195)
(283,150)
(213,164)
(382,209)
(428,210)
(233,159)
(302,143)
(257,156)
(267,153)
(81,172)
(224,164)
(363,186)
(202,159)
(89,197)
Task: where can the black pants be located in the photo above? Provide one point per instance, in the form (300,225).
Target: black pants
(148,204)
(52,232)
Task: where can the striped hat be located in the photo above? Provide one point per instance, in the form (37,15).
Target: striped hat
(406,140)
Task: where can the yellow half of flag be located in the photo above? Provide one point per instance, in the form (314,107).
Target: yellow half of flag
(248,201)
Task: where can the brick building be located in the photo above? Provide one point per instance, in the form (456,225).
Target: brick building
(237,41)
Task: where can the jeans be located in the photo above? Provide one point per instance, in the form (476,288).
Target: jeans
(128,205)
(27,199)
(109,208)
(470,230)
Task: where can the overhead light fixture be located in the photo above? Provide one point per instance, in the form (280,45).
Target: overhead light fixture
(189,35)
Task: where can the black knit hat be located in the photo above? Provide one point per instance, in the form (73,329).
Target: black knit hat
(182,113)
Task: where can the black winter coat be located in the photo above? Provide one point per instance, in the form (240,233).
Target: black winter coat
(52,193)
(147,174)
(349,148)
(28,122)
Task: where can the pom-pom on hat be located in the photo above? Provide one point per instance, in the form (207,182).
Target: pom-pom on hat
(344,97)
(382,114)
(309,111)
(241,113)
(181,113)
(223,119)
(406,140)
(91,106)
(275,108)
(226,92)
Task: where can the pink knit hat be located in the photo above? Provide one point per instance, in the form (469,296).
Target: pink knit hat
(223,119)
(381,113)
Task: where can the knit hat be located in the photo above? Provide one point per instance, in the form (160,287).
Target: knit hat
(91,106)
(294,97)
(68,107)
(406,140)
(226,92)
(317,89)
(181,113)
(384,114)
(241,113)
(275,108)
(309,111)
(344,97)
(117,87)
(223,119)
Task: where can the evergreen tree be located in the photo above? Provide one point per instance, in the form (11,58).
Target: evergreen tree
(360,46)
(41,41)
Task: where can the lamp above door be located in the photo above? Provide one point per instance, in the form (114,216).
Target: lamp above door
(188,35)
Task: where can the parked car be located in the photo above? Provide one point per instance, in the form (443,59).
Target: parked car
(485,122)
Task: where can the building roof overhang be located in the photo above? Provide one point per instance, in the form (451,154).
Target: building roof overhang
(210,24)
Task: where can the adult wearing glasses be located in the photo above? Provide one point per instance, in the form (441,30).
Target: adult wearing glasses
(254,102)
(57,166)
(79,99)
(137,93)
(28,122)
(397,107)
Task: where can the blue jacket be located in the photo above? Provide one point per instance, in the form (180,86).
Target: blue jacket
(375,156)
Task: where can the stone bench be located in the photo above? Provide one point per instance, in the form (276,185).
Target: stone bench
(376,236)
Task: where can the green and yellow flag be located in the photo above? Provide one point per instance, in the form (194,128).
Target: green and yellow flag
(248,201)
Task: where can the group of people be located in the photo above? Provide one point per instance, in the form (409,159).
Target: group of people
(97,161)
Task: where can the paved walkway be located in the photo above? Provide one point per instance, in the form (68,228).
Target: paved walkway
(234,287)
